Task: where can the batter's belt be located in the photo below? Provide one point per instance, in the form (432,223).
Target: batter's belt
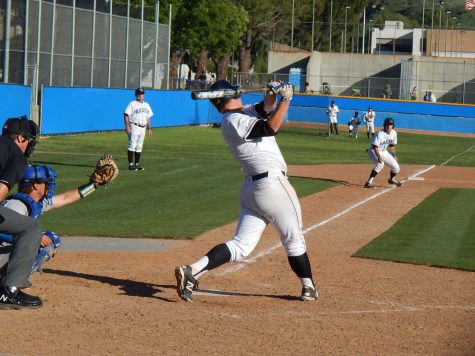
(273,173)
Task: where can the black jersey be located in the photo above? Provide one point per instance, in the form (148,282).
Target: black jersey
(13,162)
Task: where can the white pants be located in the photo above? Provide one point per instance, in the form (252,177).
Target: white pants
(370,126)
(268,200)
(136,138)
(332,120)
(387,158)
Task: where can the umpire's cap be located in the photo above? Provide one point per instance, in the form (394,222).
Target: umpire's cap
(20,126)
(139,91)
(220,85)
(388,121)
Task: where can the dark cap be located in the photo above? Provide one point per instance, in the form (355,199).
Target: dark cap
(223,84)
(139,91)
(20,126)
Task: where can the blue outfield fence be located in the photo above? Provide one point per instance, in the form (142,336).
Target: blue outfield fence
(414,115)
(73,110)
(14,100)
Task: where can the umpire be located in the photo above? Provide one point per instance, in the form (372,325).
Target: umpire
(17,143)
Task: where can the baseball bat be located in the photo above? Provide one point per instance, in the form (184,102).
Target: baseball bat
(223,93)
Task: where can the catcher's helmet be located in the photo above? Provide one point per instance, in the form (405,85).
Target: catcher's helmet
(39,174)
(388,121)
(139,91)
(223,84)
(356,113)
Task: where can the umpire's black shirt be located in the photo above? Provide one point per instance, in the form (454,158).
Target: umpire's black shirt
(13,162)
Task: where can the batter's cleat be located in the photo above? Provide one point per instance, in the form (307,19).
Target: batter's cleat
(138,167)
(368,185)
(18,300)
(308,293)
(185,283)
(395,182)
(131,167)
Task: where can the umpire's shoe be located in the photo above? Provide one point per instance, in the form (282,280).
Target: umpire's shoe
(185,282)
(309,293)
(13,298)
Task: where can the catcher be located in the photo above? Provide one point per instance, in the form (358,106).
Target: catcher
(36,196)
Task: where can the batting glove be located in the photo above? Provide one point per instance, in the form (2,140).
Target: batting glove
(274,87)
(286,92)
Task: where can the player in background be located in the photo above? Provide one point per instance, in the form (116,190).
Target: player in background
(17,143)
(353,125)
(266,194)
(332,112)
(380,155)
(368,118)
(137,119)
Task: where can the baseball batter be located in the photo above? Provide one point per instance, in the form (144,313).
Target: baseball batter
(368,118)
(380,155)
(137,119)
(266,194)
(332,112)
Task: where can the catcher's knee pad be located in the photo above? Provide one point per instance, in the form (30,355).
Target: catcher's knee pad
(238,251)
(46,253)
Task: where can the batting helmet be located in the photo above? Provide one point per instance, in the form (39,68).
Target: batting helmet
(139,91)
(220,85)
(388,121)
(39,174)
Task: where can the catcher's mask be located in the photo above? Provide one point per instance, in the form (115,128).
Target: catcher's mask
(388,121)
(39,174)
(24,127)
(356,113)
(223,84)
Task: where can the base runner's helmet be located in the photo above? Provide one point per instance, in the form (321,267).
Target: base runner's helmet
(388,121)
(39,174)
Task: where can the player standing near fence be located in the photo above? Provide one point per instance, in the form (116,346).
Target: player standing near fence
(332,112)
(379,154)
(266,194)
(368,118)
(137,119)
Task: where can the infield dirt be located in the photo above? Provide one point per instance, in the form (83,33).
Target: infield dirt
(125,302)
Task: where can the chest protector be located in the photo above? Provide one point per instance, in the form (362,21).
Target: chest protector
(34,208)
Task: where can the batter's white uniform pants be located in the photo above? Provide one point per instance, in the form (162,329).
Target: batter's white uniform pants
(387,158)
(136,137)
(268,200)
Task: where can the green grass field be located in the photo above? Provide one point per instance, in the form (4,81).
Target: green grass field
(191,182)
(444,237)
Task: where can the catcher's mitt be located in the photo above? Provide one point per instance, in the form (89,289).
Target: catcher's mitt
(106,171)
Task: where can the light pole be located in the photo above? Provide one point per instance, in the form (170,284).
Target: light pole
(369,36)
(457,40)
(313,24)
(346,16)
(331,23)
(292,35)
(440,22)
(422,35)
(451,37)
(448,12)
